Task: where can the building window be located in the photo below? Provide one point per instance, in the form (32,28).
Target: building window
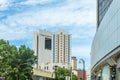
(39,67)
(118,73)
(48,43)
(53,68)
(47,67)
(103,6)
(118,69)
(106,73)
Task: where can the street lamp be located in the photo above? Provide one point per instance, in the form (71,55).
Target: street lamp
(83,67)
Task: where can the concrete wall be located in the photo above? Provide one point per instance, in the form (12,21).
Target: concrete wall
(42,75)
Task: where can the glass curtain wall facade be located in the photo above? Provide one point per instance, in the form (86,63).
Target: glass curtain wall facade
(103,6)
(106,43)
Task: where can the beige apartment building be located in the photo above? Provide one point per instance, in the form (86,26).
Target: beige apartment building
(62,47)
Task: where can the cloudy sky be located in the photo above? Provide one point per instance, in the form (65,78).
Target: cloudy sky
(20,18)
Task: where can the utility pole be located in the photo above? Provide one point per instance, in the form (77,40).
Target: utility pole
(71,72)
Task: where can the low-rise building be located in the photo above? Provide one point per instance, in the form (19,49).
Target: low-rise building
(81,75)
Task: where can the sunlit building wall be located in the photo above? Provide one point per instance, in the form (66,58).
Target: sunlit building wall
(62,47)
(42,46)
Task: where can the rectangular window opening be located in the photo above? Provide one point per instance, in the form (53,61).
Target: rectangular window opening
(48,43)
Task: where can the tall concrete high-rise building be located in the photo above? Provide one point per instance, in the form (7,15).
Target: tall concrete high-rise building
(62,47)
(105,51)
(52,48)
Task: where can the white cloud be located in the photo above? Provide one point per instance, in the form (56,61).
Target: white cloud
(83,32)
(78,13)
(14,33)
(34,2)
(63,16)
(81,51)
(53,17)
(4,4)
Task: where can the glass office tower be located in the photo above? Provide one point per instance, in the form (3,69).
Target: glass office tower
(105,51)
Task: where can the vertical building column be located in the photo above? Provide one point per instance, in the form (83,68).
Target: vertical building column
(69,49)
(35,46)
(53,48)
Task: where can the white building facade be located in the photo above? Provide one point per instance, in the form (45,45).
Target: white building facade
(42,47)
(105,52)
(52,49)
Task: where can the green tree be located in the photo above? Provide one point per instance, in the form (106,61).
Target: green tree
(61,73)
(74,77)
(81,78)
(16,64)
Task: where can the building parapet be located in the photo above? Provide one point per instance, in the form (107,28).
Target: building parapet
(39,72)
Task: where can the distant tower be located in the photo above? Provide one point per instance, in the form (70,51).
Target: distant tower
(74,63)
(62,47)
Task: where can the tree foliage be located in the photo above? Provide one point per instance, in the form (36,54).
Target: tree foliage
(61,73)
(16,63)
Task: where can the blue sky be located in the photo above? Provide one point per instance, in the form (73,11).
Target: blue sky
(20,18)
